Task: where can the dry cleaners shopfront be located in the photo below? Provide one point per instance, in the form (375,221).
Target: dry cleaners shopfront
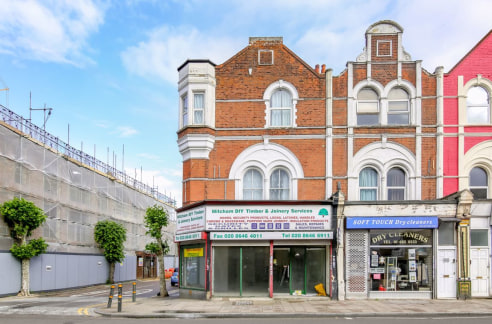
(255,249)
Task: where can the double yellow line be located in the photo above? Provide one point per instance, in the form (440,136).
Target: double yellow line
(83,311)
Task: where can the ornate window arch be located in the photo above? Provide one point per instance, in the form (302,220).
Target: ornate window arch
(479,156)
(470,111)
(266,158)
(280,104)
(383,157)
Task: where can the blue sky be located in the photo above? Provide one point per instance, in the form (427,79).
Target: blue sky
(109,68)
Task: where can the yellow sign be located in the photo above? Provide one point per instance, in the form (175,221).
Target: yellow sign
(193,253)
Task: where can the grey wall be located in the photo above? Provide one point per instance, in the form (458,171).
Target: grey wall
(10,271)
(61,271)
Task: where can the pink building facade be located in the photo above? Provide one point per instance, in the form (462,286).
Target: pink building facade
(465,154)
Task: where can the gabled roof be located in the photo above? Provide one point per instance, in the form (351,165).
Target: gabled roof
(489,34)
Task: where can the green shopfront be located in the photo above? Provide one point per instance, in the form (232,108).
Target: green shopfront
(264,250)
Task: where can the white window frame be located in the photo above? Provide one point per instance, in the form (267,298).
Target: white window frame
(375,102)
(399,112)
(481,106)
(404,187)
(378,181)
(198,109)
(266,157)
(267,95)
(185,103)
(487,184)
(254,189)
(271,186)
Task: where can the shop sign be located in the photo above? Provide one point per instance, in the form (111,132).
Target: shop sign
(401,238)
(193,252)
(392,222)
(269,218)
(192,220)
(298,235)
(189,237)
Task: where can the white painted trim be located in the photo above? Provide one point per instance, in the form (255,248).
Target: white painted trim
(266,157)
(280,84)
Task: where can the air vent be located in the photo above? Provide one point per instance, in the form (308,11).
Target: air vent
(265,57)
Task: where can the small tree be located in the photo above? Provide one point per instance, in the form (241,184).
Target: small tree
(155,219)
(23,217)
(110,236)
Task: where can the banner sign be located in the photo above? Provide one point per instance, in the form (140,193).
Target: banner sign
(190,236)
(193,253)
(392,222)
(299,235)
(192,220)
(268,218)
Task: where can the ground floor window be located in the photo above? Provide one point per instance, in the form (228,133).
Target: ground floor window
(244,270)
(192,259)
(400,260)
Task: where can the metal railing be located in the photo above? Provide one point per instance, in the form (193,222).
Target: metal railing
(39,134)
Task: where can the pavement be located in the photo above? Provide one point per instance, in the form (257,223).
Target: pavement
(294,307)
(92,301)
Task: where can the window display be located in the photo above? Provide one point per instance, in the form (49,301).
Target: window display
(400,260)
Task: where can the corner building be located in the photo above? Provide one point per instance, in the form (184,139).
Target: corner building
(256,220)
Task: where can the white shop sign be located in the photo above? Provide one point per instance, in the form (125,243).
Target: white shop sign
(268,218)
(298,235)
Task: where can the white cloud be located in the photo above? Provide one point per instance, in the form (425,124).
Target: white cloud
(168,47)
(126,131)
(49,31)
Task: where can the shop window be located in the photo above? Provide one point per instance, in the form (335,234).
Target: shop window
(478,106)
(367,107)
(479,183)
(198,108)
(241,271)
(253,185)
(281,108)
(398,107)
(396,184)
(400,260)
(479,237)
(192,267)
(368,184)
(279,185)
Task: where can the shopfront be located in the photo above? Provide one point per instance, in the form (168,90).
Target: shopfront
(256,250)
(397,254)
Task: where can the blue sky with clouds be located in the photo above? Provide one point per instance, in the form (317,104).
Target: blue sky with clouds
(108,68)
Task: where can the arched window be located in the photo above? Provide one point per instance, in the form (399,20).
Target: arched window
(368,184)
(279,185)
(253,185)
(396,184)
(477,106)
(367,107)
(281,108)
(398,107)
(479,183)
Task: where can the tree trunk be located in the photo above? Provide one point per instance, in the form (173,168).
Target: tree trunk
(162,273)
(111,272)
(25,278)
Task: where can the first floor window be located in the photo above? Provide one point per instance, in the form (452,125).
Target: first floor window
(184,103)
(279,185)
(479,183)
(253,185)
(396,184)
(368,184)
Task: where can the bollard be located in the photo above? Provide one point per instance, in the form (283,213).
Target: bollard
(120,296)
(110,300)
(134,296)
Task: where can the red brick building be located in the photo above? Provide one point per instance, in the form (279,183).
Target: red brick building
(269,144)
